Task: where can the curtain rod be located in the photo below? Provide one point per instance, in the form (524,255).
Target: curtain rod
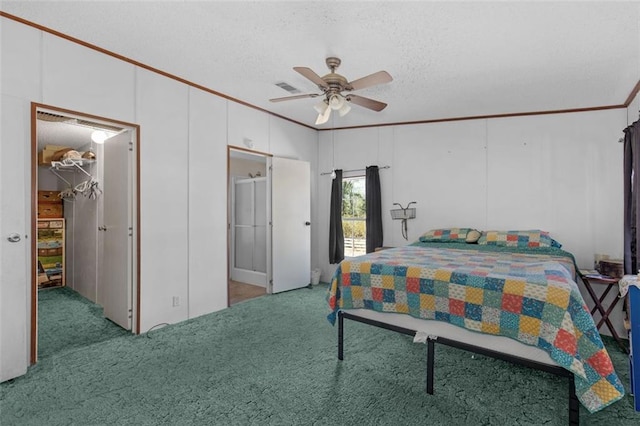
(355,170)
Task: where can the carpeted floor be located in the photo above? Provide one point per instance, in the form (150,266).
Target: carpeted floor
(272,361)
(67,321)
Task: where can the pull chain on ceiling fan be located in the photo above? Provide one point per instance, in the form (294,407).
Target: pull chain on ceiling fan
(333,84)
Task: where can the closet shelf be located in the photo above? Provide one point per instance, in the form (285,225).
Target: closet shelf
(70,163)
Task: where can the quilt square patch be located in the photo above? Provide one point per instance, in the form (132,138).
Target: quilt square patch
(532,307)
(530,326)
(413,272)
(514,287)
(440,288)
(377,294)
(388,281)
(566,341)
(510,321)
(512,303)
(492,299)
(473,311)
(428,302)
(495,284)
(427,286)
(354,278)
(388,296)
(474,295)
(456,307)
(413,285)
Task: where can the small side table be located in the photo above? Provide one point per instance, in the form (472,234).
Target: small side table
(604,311)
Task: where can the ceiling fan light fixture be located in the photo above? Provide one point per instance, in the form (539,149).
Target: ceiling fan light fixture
(321,107)
(344,110)
(324,117)
(336,101)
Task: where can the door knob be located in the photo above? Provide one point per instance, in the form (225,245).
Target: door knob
(307,223)
(13,238)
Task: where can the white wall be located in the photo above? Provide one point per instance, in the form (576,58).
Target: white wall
(560,173)
(207,289)
(184,134)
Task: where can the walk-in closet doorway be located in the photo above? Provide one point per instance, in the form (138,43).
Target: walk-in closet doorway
(85,220)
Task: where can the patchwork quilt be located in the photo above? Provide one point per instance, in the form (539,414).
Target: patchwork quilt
(528,297)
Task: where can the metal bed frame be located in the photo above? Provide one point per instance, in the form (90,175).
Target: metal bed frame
(574,409)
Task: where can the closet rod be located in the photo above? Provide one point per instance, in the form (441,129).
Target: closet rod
(354,170)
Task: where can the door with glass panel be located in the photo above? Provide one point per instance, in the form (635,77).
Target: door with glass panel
(249,228)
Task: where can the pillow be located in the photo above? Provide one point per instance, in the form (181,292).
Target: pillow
(445,235)
(555,244)
(524,239)
(473,236)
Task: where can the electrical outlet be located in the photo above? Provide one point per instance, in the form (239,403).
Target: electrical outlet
(176,301)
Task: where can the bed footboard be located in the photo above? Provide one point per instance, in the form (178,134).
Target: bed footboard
(574,410)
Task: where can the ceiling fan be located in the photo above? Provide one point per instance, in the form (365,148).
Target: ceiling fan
(333,84)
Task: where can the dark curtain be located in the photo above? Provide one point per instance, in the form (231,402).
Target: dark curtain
(374,209)
(336,236)
(631,187)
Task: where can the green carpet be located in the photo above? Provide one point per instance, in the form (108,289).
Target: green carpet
(67,321)
(272,361)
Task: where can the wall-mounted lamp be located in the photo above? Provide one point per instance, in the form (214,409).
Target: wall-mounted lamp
(404,213)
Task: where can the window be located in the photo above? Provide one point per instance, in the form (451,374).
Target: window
(354,216)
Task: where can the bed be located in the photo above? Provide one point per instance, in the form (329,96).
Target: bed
(511,295)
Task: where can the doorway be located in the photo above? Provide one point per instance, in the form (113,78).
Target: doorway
(85,197)
(248,211)
(287,226)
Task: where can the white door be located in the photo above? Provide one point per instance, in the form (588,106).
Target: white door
(15,288)
(116,279)
(291,230)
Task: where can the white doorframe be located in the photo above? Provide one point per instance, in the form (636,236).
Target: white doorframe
(135,196)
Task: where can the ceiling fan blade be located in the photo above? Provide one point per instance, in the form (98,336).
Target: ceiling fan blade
(289,98)
(311,75)
(366,102)
(371,80)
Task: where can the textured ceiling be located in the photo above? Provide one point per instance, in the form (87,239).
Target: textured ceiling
(447,59)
